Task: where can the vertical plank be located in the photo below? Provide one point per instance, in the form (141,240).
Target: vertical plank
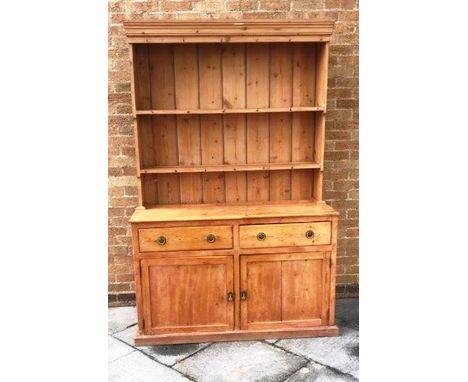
(142,77)
(331,315)
(262,281)
(149,186)
(186,76)
(212,154)
(257,95)
(209,60)
(301,289)
(319,146)
(145,282)
(234,84)
(164,140)
(147,154)
(136,129)
(161,76)
(138,282)
(188,127)
(258,152)
(188,135)
(303,137)
(280,152)
(304,74)
(302,151)
(322,74)
(321,96)
(233,64)
(301,184)
(168,189)
(258,81)
(325,288)
(280,75)
(211,125)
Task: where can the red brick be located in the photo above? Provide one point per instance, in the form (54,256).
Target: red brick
(248,5)
(304,5)
(348,4)
(275,5)
(172,6)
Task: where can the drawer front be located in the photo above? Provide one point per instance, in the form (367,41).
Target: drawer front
(285,235)
(184,238)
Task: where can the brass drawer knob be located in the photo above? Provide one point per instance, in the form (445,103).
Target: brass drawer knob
(161,240)
(211,238)
(243,295)
(261,236)
(309,234)
(230,296)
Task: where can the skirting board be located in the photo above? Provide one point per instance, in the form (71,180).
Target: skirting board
(238,335)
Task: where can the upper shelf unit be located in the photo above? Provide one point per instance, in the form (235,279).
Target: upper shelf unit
(229,111)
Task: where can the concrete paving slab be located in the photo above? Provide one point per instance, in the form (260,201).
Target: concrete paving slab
(347,312)
(121,318)
(250,361)
(127,335)
(340,352)
(313,372)
(136,367)
(117,349)
(166,354)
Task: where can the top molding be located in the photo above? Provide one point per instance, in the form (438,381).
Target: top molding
(142,32)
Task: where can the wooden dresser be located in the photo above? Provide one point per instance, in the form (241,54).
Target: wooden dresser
(231,237)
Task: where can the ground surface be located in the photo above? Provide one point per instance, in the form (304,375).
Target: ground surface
(292,360)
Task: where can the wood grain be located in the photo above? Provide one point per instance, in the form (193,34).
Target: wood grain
(188,294)
(285,235)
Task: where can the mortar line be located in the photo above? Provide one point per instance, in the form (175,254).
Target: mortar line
(195,352)
(313,360)
(155,360)
(118,331)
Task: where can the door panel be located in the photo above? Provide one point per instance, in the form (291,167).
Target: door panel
(187,294)
(301,289)
(284,290)
(264,301)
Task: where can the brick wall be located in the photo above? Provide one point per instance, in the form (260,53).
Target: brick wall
(341,151)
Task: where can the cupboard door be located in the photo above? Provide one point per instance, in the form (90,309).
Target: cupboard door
(187,294)
(284,290)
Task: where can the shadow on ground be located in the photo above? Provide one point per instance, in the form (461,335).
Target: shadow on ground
(326,359)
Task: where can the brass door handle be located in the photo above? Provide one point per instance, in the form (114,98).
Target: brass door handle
(243,295)
(309,234)
(211,238)
(261,236)
(161,240)
(230,296)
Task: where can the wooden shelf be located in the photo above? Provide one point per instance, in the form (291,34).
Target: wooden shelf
(194,212)
(232,111)
(231,168)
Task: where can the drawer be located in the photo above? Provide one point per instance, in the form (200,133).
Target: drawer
(184,238)
(285,235)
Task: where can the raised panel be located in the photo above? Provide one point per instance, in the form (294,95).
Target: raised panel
(187,294)
(283,290)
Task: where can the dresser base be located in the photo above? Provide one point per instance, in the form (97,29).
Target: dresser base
(238,335)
